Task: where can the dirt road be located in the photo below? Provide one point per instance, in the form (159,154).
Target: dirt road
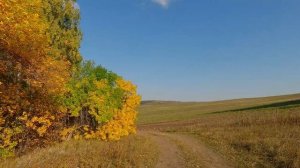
(184,151)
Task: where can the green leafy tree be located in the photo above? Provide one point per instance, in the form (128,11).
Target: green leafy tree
(92,95)
(65,35)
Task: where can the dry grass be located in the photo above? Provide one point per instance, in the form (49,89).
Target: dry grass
(134,151)
(261,132)
(254,138)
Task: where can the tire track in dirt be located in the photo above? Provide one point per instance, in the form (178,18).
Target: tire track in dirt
(169,152)
(208,158)
(171,155)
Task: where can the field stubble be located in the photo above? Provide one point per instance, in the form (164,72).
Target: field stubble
(252,138)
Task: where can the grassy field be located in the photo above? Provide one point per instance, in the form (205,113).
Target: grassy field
(159,111)
(263,132)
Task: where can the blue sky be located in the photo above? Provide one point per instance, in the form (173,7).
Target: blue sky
(196,50)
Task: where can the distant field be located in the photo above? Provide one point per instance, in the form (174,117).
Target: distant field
(160,111)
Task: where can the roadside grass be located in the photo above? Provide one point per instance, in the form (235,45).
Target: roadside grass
(267,137)
(160,111)
(134,151)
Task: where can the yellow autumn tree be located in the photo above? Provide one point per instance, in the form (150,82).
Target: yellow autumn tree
(47,92)
(34,71)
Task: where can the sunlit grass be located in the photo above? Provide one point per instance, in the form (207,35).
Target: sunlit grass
(257,137)
(134,151)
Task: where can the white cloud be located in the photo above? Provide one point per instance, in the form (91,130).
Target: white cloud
(163,3)
(76,5)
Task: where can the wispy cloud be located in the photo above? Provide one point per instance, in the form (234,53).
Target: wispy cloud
(76,5)
(163,3)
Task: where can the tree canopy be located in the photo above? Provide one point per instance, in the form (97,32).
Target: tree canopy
(48,93)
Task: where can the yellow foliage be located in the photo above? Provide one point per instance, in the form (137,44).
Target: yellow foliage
(22,28)
(66,132)
(7,142)
(39,124)
(54,75)
(24,34)
(123,122)
(101,84)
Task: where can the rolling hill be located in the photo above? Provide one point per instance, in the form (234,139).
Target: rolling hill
(163,111)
